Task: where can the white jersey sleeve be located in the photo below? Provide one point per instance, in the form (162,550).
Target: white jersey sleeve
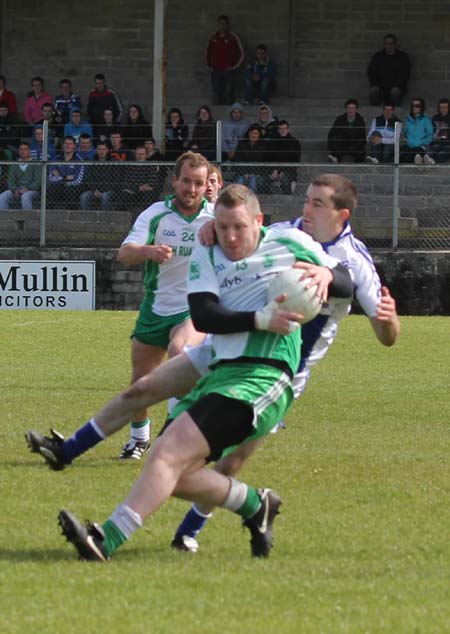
(202,277)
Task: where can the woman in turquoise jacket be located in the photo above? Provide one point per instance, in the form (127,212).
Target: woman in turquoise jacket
(418,130)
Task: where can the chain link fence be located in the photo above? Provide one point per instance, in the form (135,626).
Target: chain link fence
(94,203)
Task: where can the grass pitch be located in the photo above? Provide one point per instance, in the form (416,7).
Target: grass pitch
(361,545)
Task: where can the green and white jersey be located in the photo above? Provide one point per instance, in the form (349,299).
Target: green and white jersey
(162,223)
(242,285)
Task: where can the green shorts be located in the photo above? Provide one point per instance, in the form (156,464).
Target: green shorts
(154,330)
(267,390)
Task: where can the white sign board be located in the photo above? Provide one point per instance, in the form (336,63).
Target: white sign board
(47,285)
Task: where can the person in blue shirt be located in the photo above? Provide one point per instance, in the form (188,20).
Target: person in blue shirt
(76,127)
(260,77)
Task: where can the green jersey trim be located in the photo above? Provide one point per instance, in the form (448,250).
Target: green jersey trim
(300,252)
(170,205)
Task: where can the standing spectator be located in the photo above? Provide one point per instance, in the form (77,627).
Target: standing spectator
(388,73)
(136,128)
(65,102)
(252,149)
(54,129)
(381,135)
(267,122)
(99,181)
(24,181)
(10,130)
(102,131)
(139,184)
(260,77)
(8,96)
(76,127)
(100,98)
(35,99)
(224,54)
(176,135)
(37,140)
(419,132)
(86,148)
(204,138)
(118,151)
(233,130)
(347,137)
(66,180)
(440,148)
(284,148)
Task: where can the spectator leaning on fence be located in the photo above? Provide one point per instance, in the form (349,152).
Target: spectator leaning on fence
(381,135)
(8,96)
(35,99)
(418,130)
(440,148)
(24,181)
(66,101)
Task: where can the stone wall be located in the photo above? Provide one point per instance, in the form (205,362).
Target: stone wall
(419,281)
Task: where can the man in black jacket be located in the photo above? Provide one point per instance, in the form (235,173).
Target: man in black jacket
(348,135)
(284,148)
(388,73)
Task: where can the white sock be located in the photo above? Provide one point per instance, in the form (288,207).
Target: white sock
(171,403)
(236,496)
(97,429)
(141,433)
(126,520)
(198,509)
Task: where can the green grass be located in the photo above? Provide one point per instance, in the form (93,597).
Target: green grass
(362,544)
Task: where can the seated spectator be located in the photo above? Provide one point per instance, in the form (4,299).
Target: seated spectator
(8,96)
(76,127)
(86,149)
(103,130)
(118,151)
(267,122)
(284,148)
(102,98)
(204,138)
(100,181)
(66,180)
(260,77)
(136,128)
(381,135)
(24,181)
(140,187)
(440,148)
(153,154)
(233,130)
(418,131)
(388,73)
(35,99)
(37,141)
(65,102)
(347,137)
(176,135)
(10,130)
(252,149)
(55,131)
(224,54)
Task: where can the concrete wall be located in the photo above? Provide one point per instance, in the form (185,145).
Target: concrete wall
(419,281)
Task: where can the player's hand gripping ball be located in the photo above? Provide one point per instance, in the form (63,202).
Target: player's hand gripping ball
(300,299)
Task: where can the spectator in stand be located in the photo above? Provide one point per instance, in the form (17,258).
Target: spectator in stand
(103,130)
(388,73)
(141,183)
(440,148)
(37,140)
(118,151)
(252,149)
(35,99)
(54,129)
(204,138)
(99,181)
(267,122)
(65,102)
(224,54)
(76,127)
(136,128)
(24,181)
(233,130)
(418,131)
(101,98)
(284,148)
(86,149)
(66,180)
(8,96)
(153,154)
(381,135)
(260,77)
(176,135)
(347,137)
(10,131)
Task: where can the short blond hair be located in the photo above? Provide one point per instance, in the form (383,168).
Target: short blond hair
(235,195)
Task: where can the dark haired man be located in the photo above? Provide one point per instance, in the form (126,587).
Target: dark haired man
(260,77)
(347,136)
(66,101)
(388,73)
(102,98)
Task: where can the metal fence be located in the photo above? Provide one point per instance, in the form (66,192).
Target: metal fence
(87,203)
